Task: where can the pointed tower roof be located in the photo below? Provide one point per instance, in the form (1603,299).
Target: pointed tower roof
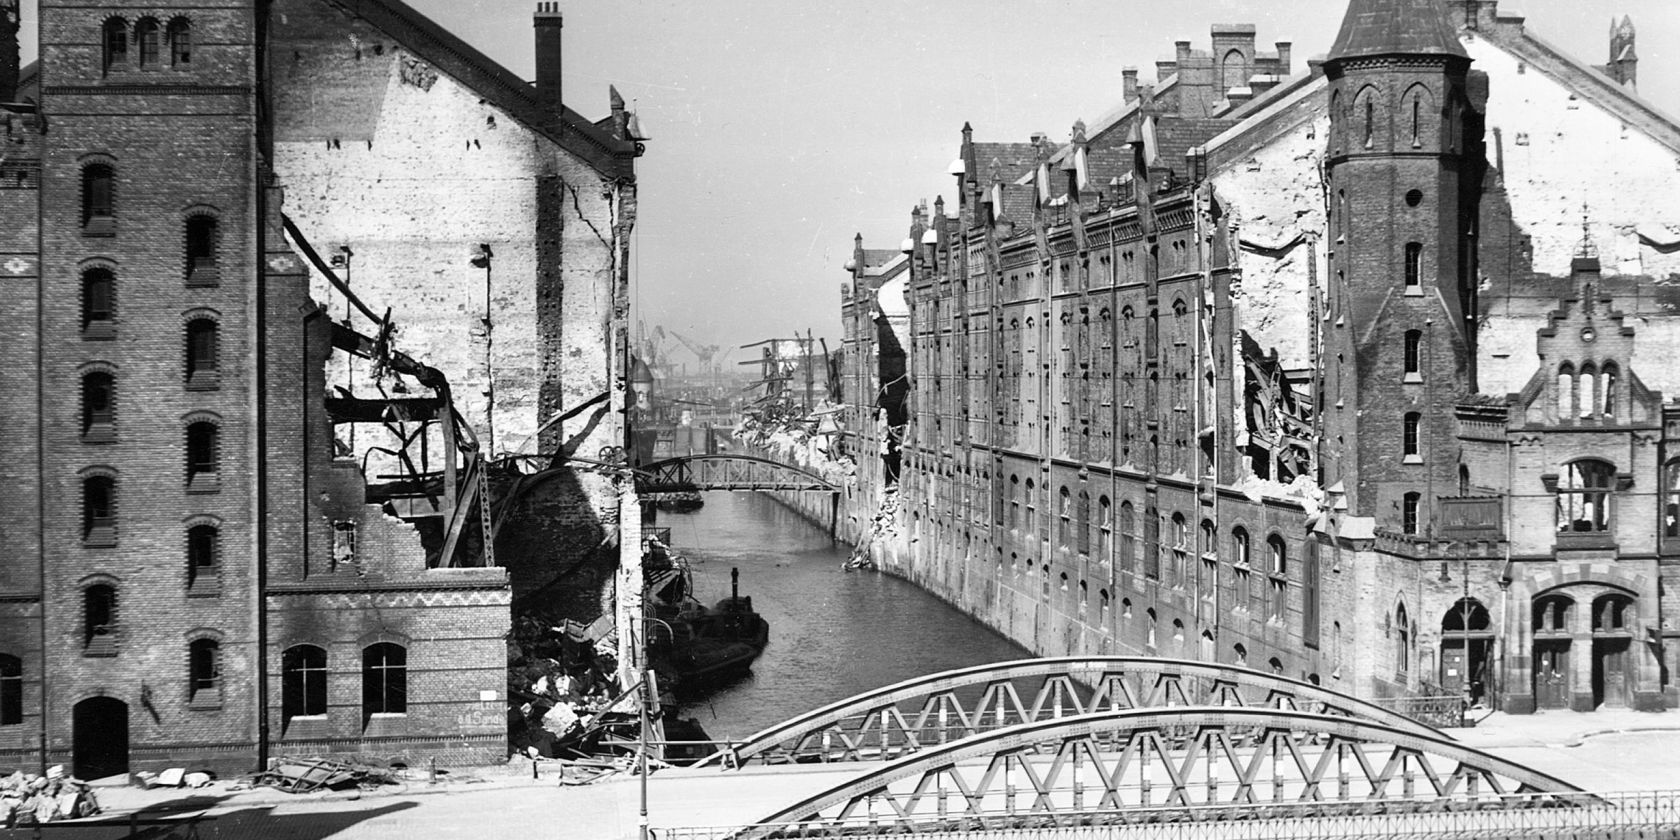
(1395,27)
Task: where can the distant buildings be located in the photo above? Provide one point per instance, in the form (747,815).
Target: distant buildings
(1352,373)
(239,510)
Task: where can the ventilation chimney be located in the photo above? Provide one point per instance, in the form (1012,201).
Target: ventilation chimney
(547,23)
(1128,83)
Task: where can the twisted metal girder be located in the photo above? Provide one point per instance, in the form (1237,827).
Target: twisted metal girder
(934,709)
(725,472)
(1165,765)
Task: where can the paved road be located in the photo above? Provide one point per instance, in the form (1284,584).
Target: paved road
(1600,751)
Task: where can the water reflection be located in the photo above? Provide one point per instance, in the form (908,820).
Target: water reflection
(832,633)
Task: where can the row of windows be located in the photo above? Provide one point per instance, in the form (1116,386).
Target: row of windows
(99,407)
(147,38)
(200,230)
(200,367)
(303,681)
(303,670)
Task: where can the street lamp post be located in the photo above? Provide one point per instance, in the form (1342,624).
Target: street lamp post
(483,260)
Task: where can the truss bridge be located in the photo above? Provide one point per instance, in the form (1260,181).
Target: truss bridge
(690,473)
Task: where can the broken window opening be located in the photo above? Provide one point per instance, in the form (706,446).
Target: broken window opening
(99,620)
(384,680)
(98,407)
(344,542)
(11,690)
(303,682)
(202,548)
(99,306)
(201,251)
(203,457)
(202,374)
(1583,502)
(99,521)
(99,200)
(205,674)
(116,44)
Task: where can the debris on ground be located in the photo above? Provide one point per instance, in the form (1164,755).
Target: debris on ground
(27,799)
(306,775)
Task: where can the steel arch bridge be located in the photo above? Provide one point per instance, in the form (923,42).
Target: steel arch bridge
(925,712)
(725,472)
(1193,763)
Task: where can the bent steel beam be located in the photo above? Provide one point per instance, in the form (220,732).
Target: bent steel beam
(937,708)
(725,472)
(1170,765)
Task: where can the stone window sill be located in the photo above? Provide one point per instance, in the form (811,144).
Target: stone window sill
(1413,378)
(208,275)
(101,536)
(100,433)
(204,381)
(99,331)
(100,226)
(204,483)
(1412,459)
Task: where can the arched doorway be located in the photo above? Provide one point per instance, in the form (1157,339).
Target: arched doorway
(1612,637)
(1553,615)
(99,737)
(1466,650)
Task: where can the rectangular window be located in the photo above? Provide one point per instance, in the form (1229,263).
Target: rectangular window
(1414,268)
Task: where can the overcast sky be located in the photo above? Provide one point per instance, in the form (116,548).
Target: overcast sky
(782,127)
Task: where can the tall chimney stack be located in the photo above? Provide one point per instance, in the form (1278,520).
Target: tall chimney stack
(11,55)
(547,23)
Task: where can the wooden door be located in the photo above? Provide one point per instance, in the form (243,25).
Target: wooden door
(1551,674)
(1610,678)
(1453,667)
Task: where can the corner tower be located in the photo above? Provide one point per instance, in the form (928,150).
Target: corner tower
(1398,337)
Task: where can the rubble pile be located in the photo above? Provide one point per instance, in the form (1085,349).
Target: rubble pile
(792,436)
(307,775)
(27,799)
(560,688)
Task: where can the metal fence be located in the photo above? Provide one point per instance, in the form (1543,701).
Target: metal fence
(1437,710)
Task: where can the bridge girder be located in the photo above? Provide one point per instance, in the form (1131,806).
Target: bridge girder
(689,473)
(934,709)
(1170,765)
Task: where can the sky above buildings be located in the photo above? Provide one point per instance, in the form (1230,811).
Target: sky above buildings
(779,129)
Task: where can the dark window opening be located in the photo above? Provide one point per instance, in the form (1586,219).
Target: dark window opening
(202,548)
(201,355)
(1412,441)
(1414,354)
(205,666)
(99,620)
(11,690)
(99,520)
(99,303)
(1409,512)
(98,407)
(180,43)
(384,680)
(146,39)
(1414,267)
(202,446)
(303,682)
(201,251)
(99,200)
(1583,504)
(116,44)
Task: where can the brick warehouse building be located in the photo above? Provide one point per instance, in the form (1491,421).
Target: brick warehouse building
(1325,371)
(210,551)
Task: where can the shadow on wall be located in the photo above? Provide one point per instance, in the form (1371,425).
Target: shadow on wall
(555,544)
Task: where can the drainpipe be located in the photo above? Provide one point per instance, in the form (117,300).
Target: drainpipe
(41,443)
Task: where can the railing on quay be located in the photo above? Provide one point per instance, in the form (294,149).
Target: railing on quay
(1442,711)
(1607,816)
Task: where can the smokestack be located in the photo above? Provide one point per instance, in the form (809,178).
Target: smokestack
(547,23)
(1128,83)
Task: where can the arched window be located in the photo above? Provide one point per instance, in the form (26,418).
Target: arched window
(1414,355)
(1031,524)
(303,682)
(1064,512)
(1239,655)
(116,44)
(99,303)
(203,548)
(1552,615)
(384,679)
(1612,615)
(1014,502)
(1417,123)
(1402,640)
(1566,391)
(1583,502)
(1151,543)
(11,690)
(1414,267)
(99,196)
(1607,390)
(1234,71)
(1277,593)
(98,407)
(1411,437)
(1128,536)
(1409,512)
(1239,546)
(204,658)
(99,620)
(1082,523)
(1587,400)
(99,510)
(1105,528)
(1180,550)
(180,43)
(203,457)
(202,371)
(1149,628)
(146,38)
(1466,616)
(201,251)
(1370,123)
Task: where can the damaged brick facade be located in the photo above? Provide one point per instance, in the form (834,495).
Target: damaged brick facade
(202,552)
(1243,372)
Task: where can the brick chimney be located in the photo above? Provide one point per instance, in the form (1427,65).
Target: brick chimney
(1128,83)
(547,23)
(11,55)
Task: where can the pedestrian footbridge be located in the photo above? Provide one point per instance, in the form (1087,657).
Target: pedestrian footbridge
(1080,747)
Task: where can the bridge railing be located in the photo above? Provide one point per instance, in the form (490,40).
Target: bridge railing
(1444,711)
(1603,815)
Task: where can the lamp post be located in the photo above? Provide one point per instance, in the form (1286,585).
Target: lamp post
(342,260)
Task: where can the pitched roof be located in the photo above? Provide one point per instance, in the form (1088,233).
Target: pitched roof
(443,49)
(1395,27)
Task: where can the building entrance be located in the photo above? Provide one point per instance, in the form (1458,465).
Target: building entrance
(1551,673)
(1466,646)
(99,737)
(1610,673)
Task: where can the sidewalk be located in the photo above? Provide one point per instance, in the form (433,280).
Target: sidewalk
(1559,727)
(1602,751)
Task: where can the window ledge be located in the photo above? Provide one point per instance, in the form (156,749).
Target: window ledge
(1414,291)
(204,382)
(204,483)
(103,536)
(100,433)
(204,590)
(213,703)
(100,226)
(1413,378)
(208,275)
(1412,459)
(99,331)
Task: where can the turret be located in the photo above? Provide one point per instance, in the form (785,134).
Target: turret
(1400,334)
(1624,62)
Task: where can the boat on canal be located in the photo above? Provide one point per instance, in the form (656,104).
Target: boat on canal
(693,646)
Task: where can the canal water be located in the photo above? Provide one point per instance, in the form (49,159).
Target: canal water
(833,633)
